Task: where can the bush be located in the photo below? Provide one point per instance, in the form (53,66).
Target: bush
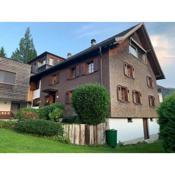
(91,103)
(166,113)
(71,119)
(27,113)
(7,124)
(51,112)
(39,127)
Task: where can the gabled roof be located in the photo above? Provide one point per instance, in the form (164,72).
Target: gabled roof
(116,39)
(44,54)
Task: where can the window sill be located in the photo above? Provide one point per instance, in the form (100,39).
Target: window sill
(125,102)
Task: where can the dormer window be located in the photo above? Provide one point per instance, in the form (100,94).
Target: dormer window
(133,50)
(136,49)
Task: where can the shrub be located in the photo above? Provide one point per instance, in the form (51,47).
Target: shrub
(39,127)
(166,113)
(51,112)
(27,113)
(71,119)
(91,103)
(7,124)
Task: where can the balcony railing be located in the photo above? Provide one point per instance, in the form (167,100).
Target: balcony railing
(6,114)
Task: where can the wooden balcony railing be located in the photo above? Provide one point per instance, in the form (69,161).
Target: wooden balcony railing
(6,114)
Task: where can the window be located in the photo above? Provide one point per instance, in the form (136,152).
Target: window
(133,50)
(136,96)
(51,61)
(129,120)
(128,70)
(149,82)
(71,73)
(54,79)
(122,93)
(7,77)
(91,67)
(68,99)
(151,100)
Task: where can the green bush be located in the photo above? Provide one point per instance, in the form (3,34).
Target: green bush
(39,127)
(91,103)
(51,112)
(7,124)
(71,119)
(27,113)
(166,113)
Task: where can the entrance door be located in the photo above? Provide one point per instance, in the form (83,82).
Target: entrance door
(15,107)
(145,128)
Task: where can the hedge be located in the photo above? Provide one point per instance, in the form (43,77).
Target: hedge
(91,103)
(39,127)
(7,124)
(166,113)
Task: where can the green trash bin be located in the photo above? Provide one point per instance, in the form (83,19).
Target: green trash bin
(111,137)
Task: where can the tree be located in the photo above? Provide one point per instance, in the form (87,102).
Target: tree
(166,113)
(26,50)
(2,52)
(91,103)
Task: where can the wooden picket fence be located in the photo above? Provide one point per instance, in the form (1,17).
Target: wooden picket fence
(82,134)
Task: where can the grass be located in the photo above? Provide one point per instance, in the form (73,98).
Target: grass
(13,142)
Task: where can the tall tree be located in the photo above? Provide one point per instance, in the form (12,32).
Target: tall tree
(2,52)
(26,50)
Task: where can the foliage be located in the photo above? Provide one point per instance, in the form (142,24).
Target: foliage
(2,52)
(91,103)
(51,112)
(39,127)
(71,119)
(26,50)
(27,113)
(7,124)
(166,113)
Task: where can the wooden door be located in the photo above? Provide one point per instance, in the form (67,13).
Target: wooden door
(145,128)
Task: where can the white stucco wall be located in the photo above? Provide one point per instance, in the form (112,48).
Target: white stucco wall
(132,131)
(5,105)
(127,131)
(153,126)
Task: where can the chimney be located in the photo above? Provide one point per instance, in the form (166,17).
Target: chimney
(93,42)
(69,54)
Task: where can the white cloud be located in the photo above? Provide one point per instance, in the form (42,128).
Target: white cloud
(164,49)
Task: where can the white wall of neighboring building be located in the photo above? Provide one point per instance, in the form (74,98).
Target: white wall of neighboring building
(127,131)
(5,105)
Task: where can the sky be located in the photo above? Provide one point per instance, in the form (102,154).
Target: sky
(61,38)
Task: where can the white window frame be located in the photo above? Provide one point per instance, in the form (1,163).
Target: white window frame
(91,67)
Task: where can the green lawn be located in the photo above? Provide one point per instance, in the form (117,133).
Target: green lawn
(12,142)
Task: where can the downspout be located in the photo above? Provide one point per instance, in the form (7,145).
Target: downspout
(101,73)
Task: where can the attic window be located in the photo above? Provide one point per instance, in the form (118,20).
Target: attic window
(133,50)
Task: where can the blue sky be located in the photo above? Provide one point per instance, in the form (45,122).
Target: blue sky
(61,38)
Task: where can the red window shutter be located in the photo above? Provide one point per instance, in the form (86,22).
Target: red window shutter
(69,74)
(96,64)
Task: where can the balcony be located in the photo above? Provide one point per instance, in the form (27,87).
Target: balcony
(36,93)
(6,115)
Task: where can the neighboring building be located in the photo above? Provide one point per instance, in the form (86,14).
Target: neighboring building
(39,64)
(44,61)
(164,92)
(14,85)
(126,65)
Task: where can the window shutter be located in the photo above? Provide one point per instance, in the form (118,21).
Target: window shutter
(119,93)
(69,75)
(125,69)
(78,70)
(84,69)
(133,72)
(96,64)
